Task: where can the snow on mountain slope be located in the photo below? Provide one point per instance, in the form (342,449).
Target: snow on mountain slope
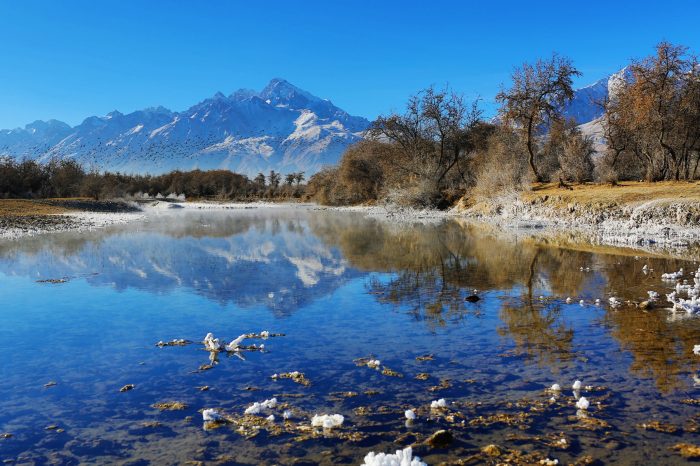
(282,128)
(587,104)
(594,129)
(35,137)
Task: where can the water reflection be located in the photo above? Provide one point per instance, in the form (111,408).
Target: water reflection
(213,254)
(435,267)
(661,349)
(299,255)
(341,287)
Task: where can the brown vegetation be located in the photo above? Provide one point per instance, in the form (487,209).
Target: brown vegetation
(24,208)
(439,150)
(652,121)
(625,193)
(535,99)
(421,157)
(66,178)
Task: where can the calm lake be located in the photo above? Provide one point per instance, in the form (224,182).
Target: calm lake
(340,287)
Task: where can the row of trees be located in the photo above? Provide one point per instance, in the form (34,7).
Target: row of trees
(422,157)
(271,185)
(652,119)
(440,148)
(67,178)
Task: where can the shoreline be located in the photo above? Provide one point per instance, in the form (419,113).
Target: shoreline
(33,225)
(660,225)
(27,218)
(21,218)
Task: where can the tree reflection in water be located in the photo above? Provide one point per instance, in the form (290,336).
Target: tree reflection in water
(434,267)
(299,255)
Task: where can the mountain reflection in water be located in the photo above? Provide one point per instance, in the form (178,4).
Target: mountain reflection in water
(330,280)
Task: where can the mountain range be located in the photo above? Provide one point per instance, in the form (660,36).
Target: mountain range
(282,128)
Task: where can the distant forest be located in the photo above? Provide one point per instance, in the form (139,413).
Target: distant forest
(441,149)
(66,178)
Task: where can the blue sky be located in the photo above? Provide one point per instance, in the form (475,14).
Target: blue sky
(71,59)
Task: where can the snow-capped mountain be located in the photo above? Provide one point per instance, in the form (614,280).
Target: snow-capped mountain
(282,128)
(33,138)
(587,104)
(587,109)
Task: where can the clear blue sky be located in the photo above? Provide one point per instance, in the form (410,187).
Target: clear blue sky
(70,59)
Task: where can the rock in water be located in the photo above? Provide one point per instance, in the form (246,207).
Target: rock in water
(492,450)
(440,439)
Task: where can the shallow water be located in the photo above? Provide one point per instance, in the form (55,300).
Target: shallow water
(340,287)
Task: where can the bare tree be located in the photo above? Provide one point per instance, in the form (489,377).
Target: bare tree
(576,157)
(535,98)
(654,118)
(273,179)
(431,137)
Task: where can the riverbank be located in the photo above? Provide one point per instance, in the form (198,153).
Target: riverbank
(27,217)
(651,216)
(22,217)
(637,214)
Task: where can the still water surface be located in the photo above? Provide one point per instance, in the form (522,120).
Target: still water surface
(340,287)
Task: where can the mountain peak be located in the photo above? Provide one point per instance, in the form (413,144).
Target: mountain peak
(278,81)
(242,94)
(157,109)
(281,92)
(587,103)
(41,124)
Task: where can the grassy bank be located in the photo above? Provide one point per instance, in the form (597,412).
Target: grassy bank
(26,208)
(631,213)
(624,193)
(593,195)
(45,207)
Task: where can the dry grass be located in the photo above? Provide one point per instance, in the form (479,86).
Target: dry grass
(24,208)
(625,193)
(54,206)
